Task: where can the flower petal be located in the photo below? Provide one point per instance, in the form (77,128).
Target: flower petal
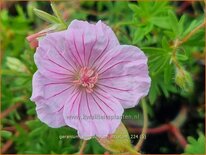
(89,42)
(53,93)
(52,118)
(52,58)
(123,72)
(37,87)
(93,114)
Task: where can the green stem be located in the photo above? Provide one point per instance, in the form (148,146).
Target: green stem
(145,125)
(178,43)
(81,150)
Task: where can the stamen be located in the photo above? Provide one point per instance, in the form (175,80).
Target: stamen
(86,78)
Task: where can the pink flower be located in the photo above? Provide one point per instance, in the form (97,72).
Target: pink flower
(85,79)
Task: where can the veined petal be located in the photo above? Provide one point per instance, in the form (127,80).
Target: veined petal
(53,118)
(53,93)
(124,73)
(93,114)
(89,42)
(52,58)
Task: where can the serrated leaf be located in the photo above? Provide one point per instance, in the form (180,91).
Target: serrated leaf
(158,59)
(196,146)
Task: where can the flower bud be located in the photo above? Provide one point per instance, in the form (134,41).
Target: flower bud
(119,142)
(184,80)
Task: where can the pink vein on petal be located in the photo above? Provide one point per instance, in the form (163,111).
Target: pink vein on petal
(101,53)
(113,66)
(77,94)
(102,66)
(103,101)
(76,49)
(113,96)
(48,84)
(113,77)
(63,57)
(115,88)
(56,72)
(59,93)
(83,45)
(74,56)
(90,53)
(60,65)
(90,112)
(79,106)
(98,105)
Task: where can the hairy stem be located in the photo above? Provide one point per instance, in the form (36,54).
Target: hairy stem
(144,130)
(178,43)
(191,34)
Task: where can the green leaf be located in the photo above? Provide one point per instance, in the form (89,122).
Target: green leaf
(165,43)
(134,8)
(161,22)
(181,55)
(194,24)
(6,134)
(159,6)
(181,23)
(20,11)
(95,147)
(138,35)
(164,89)
(153,92)
(158,59)
(173,21)
(140,32)
(45,16)
(168,75)
(196,146)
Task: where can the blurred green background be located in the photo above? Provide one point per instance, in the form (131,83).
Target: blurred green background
(174,98)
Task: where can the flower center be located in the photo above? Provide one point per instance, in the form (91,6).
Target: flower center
(86,78)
